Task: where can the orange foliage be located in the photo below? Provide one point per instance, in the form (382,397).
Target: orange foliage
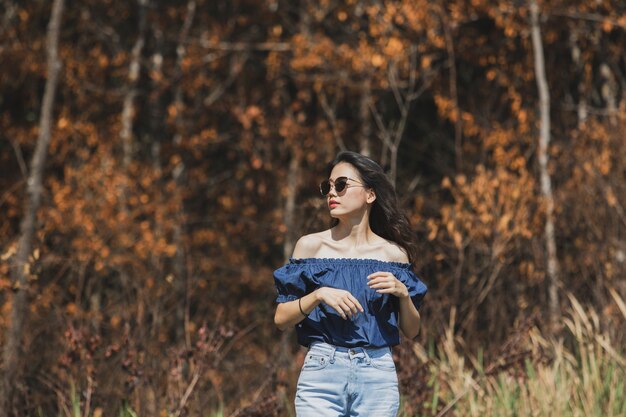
(150,270)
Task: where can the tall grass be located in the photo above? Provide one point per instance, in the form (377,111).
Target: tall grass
(580,373)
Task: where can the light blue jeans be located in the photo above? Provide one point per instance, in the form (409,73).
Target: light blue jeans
(341,382)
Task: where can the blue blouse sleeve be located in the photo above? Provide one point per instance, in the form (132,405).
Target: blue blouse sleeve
(290,281)
(417,289)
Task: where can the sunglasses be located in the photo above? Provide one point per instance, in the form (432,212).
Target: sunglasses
(340,184)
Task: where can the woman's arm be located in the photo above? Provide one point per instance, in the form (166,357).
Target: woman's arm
(387,283)
(409,318)
(288,314)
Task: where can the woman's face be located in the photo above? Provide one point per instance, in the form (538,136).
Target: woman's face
(354,198)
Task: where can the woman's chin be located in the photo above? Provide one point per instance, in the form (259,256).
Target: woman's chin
(335,214)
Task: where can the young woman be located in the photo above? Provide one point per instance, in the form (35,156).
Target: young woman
(349,291)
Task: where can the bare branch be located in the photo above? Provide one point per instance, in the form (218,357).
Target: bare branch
(188,391)
(235,69)
(10,190)
(383,131)
(393,82)
(458,122)
(591,17)
(245,46)
(332,118)
(20,158)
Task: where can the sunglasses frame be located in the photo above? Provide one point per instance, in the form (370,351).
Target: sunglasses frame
(342,180)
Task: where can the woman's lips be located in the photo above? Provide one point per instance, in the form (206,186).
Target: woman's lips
(332,204)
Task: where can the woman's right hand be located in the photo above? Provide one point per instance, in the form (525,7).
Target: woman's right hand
(341,300)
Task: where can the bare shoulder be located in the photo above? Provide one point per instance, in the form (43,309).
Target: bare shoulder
(308,245)
(395,252)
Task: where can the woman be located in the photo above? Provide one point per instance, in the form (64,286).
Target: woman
(349,290)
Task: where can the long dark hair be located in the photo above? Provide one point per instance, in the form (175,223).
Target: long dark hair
(386,218)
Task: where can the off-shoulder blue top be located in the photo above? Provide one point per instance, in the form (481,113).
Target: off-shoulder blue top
(376,327)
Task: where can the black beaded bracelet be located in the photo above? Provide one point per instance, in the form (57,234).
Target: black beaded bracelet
(300,305)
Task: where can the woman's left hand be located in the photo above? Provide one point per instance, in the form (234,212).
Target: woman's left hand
(387,283)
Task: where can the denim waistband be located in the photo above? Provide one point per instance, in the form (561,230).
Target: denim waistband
(325,345)
(352,350)
(368,352)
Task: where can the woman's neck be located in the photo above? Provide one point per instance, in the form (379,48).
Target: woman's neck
(354,233)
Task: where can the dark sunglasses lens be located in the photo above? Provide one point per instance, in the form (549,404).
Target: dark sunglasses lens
(340,184)
(325,187)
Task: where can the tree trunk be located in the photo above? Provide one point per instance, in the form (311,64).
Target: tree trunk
(609,90)
(179,174)
(178,70)
(181,277)
(364,116)
(458,126)
(128,111)
(290,205)
(546,185)
(11,354)
(128,108)
(579,70)
(156,108)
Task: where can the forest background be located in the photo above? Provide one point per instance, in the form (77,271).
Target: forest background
(158,160)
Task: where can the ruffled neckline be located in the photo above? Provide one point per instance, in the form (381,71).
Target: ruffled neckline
(349,261)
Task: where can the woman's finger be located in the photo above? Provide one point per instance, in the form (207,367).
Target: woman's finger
(339,309)
(382,282)
(374,281)
(351,307)
(343,303)
(356,303)
(380,274)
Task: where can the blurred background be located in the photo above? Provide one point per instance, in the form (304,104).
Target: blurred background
(159,159)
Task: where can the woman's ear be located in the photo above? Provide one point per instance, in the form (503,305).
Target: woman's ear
(371,196)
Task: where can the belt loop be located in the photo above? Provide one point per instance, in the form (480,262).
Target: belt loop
(368,360)
(332,353)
